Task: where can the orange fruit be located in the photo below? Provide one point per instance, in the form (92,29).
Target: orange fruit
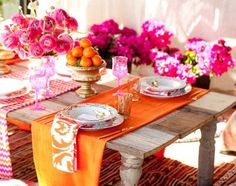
(72,61)
(85,62)
(97,60)
(77,51)
(69,55)
(89,52)
(85,42)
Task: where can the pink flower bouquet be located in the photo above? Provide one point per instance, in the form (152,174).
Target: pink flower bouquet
(32,37)
(199,59)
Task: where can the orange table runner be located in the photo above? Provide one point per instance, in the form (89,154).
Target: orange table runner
(90,148)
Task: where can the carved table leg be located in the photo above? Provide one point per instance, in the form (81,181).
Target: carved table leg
(130,170)
(206,154)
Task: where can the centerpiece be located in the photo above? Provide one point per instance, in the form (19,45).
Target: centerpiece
(84,62)
(40,41)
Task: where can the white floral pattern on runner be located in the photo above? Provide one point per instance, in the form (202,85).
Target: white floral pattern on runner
(57,86)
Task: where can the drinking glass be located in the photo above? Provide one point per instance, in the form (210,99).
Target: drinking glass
(50,71)
(119,69)
(38,82)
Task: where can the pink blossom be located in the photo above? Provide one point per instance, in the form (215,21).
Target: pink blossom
(72,24)
(19,20)
(62,46)
(28,37)
(23,54)
(60,17)
(35,24)
(47,24)
(68,38)
(11,41)
(35,50)
(47,42)
(58,31)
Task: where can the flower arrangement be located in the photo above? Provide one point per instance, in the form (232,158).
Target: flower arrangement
(153,37)
(110,40)
(32,37)
(199,59)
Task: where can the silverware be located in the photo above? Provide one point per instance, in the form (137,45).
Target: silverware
(115,132)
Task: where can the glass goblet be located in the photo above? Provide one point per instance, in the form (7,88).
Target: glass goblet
(119,69)
(38,82)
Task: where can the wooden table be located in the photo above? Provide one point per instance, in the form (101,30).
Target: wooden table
(144,142)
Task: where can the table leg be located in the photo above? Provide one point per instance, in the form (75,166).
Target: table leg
(130,170)
(206,154)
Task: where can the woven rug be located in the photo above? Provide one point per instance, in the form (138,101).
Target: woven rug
(156,171)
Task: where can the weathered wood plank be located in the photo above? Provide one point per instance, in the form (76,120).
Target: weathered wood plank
(214,103)
(157,135)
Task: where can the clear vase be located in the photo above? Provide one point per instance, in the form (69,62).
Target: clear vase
(40,72)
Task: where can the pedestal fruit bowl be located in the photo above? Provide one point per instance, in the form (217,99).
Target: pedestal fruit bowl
(85,63)
(86,76)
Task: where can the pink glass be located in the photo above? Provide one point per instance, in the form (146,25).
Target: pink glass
(38,82)
(119,69)
(50,71)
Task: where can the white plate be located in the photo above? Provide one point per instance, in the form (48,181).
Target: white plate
(171,94)
(11,88)
(90,113)
(118,120)
(162,84)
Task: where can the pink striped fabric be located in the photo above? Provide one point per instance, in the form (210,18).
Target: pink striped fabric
(56,86)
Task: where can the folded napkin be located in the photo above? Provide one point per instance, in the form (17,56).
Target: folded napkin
(64,144)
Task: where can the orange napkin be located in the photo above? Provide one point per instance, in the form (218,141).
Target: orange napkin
(64,144)
(91,148)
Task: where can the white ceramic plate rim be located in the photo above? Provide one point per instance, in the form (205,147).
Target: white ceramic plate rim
(17,95)
(113,112)
(160,79)
(186,89)
(9,82)
(118,120)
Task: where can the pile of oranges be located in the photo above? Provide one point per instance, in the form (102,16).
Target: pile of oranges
(84,55)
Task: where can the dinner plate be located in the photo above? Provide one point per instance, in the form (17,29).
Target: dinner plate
(12,88)
(118,120)
(90,113)
(162,84)
(172,94)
